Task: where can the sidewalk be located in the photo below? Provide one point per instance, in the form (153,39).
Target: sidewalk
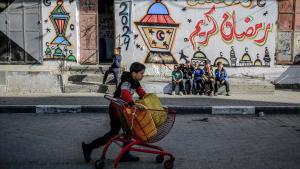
(280,102)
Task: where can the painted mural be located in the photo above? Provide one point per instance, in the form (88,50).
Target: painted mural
(238,33)
(59,30)
(158,30)
(125,18)
(243,3)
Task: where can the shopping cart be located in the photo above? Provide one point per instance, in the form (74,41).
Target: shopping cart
(134,142)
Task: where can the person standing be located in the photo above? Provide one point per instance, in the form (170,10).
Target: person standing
(115,66)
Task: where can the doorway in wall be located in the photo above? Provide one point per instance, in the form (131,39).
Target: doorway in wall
(106,30)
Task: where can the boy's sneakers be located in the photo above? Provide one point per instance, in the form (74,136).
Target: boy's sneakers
(127,157)
(216,94)
(173,93)
(227,94)
(86,152)
(180,93)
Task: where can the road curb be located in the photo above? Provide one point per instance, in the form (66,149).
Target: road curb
(17,109)
(215,110)
(243,110)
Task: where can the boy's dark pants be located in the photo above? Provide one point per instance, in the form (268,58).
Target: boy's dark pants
(218,84)
(180,86)
(188,85)
(115,126)
(210,82)
(115,71)
(199,85)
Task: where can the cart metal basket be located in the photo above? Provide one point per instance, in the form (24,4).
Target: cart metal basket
(132,140)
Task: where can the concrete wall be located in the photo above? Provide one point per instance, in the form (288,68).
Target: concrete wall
(22,82)
(217,31)
(60,30)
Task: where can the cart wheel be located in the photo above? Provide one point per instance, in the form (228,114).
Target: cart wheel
(159,158)
(99,164)
(169,164)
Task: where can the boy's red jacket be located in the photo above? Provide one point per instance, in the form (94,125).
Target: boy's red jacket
(127,87)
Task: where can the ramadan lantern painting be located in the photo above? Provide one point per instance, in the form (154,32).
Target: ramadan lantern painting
(60,19)
(158,31)
(59,47)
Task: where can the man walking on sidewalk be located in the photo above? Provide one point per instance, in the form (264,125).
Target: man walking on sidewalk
(115,66)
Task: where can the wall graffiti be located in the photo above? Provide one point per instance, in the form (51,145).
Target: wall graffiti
(47,2)
(59,47)
(261,3)
(244,3)
(222,59)
(204,35)
(199,57)
(60,19)
(237,36)
(183,56)
(245,60)
(125,16)
(229,29)
(158,32)
(233,58)
(251,32)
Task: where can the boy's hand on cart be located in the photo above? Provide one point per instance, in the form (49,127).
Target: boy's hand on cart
(139,106)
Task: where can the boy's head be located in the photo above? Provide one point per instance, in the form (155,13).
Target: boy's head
(220,65)
(117,50)
(181,66)
(188,63)
(197,65)
(207,65)
(176,67)
(137,70)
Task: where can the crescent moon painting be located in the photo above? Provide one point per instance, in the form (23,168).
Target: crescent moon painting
(160,35)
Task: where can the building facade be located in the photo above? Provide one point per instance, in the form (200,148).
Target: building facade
(256,38)
(250,37)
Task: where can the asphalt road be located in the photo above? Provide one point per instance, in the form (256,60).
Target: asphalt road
(48,141)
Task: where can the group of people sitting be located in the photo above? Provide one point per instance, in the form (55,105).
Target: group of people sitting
(194,79)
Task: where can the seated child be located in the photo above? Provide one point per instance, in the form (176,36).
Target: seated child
(177,79)
(188,70)
(221,79)
(208,78)
(198,81)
